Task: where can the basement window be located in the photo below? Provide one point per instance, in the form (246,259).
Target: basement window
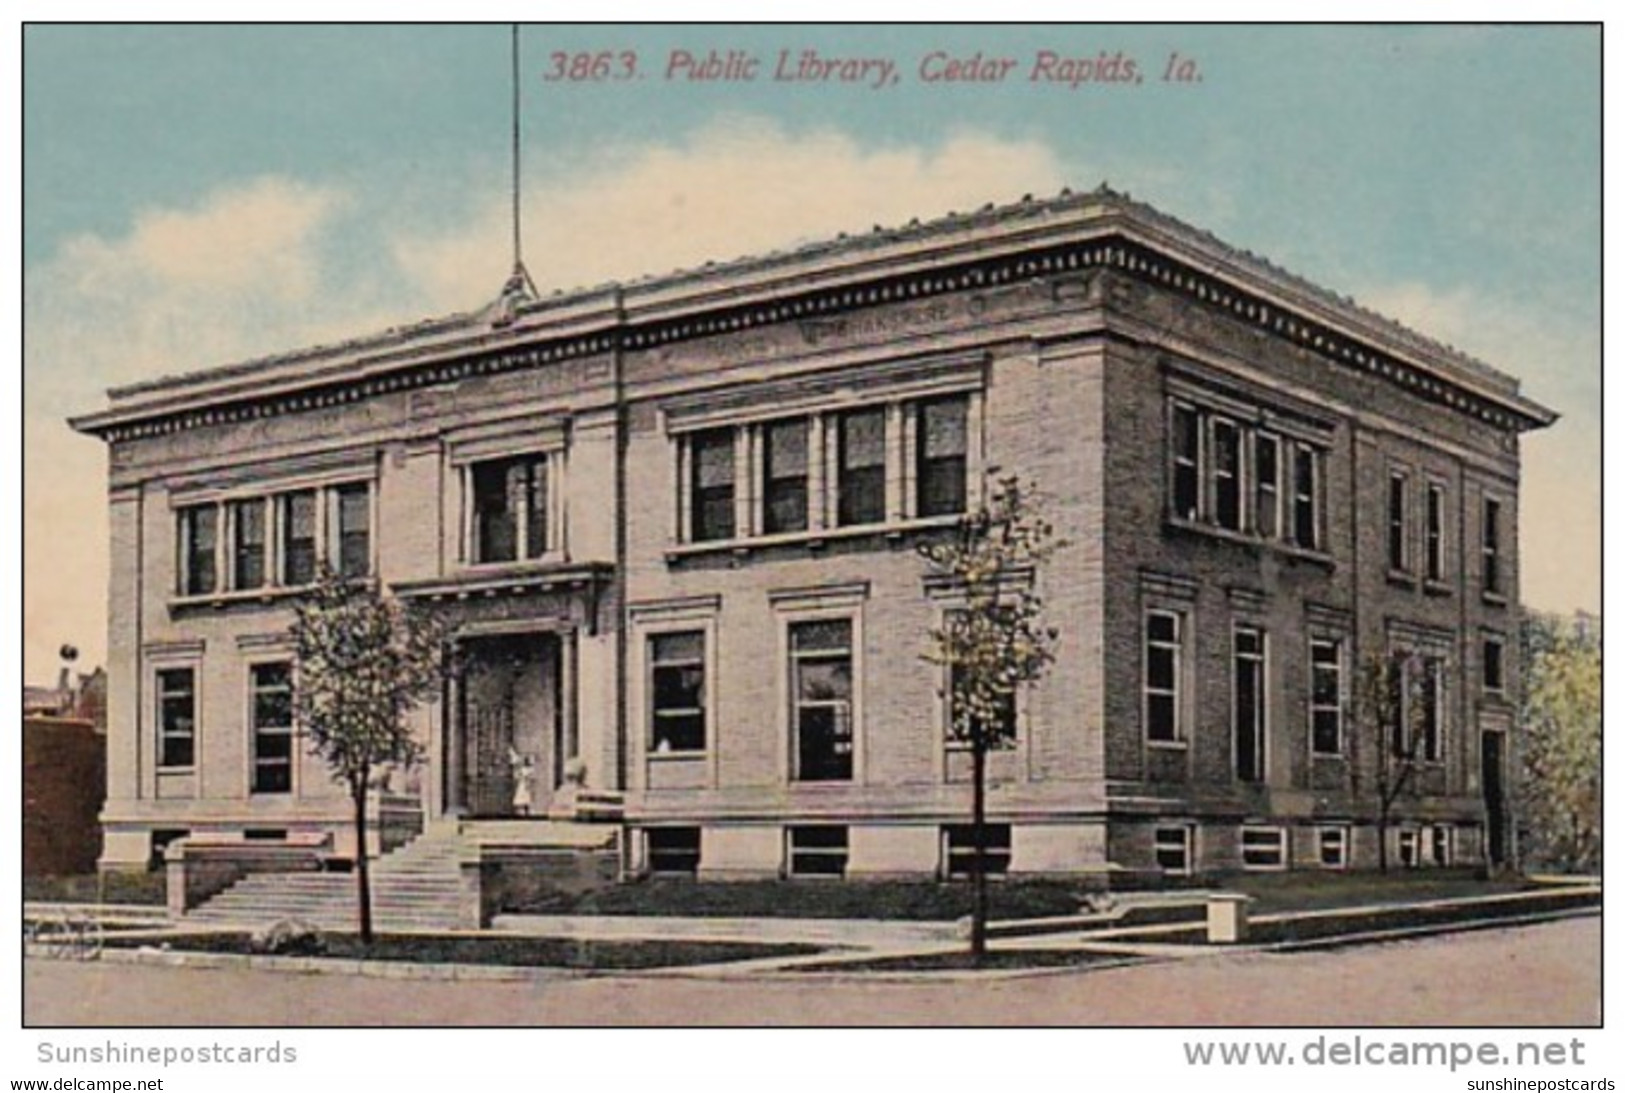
(959,850)
(673,850)
(818,851)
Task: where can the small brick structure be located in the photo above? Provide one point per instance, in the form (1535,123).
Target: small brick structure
(64,782)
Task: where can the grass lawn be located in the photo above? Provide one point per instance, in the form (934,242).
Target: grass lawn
(527,952)
(1008,899)
(147,889)
(960,960)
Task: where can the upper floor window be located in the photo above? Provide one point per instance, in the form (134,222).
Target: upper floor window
(784,476)
(200,538)
(298,511)
(279,540)
(1434,553)
(510,509)
(1251,702)
(944,447)
(248,543)
(818,471)
(861,489)
(177,717)
(712,460)
(1399,502)
(1494,654)
(1491,571)
(1237,476)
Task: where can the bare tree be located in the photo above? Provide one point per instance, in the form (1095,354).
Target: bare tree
(1391,712)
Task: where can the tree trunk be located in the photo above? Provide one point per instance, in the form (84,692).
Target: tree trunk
(978,867)
(362,879)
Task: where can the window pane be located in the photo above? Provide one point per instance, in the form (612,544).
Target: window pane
(679,688)
(1327,734)
(496,520)
(1162,628)
(1161,723)
(248,547)
(1227,475)
(824,680)
(199,529)
(862,492)
(686,646)
(822,634)
(1159,667)
(824,746)
(177,717)
(1304,515)
(299,538)
(355,548)
(1396,522)
(1266,457)
(785,475)
(1187,431)
(943,444)
(712,485)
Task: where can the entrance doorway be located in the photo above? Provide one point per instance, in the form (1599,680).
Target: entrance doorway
(510,725)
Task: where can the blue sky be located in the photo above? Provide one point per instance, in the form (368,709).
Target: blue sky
(195,195)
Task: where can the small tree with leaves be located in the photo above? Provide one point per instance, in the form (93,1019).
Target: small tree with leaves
(1562,745)
(1390,721)
(995,644)
(362,662)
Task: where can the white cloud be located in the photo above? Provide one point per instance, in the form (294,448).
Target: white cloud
(273,265)
(738,187)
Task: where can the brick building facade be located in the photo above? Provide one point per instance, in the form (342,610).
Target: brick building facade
(675,525)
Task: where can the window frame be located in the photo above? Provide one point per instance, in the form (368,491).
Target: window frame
(1178,694)
(1281,852)
(256,731)
(1498,686)
(1339,644)
(162,733)
(1186,832)
(1435,535)
(822,603)
(1492,579)
(652,666)
(1342,838)
(997,856)
(795,854)
(651,836)
(1398,545)
(794,660)
(849,487)
(190,551)
(1259,662)
(918,411)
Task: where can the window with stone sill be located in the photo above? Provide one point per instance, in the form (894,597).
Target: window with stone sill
(1243,478)
(878,465)
(677,711)
(177,717)
(271,710)
(274,541)
(509,497)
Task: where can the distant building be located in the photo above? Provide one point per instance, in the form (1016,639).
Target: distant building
(64,779)
(674,522)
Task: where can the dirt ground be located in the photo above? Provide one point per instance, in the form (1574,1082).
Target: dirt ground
(1450,980)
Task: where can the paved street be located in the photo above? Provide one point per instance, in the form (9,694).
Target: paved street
(1454,980)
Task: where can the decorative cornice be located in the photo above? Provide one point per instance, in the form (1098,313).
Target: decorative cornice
(1109,232)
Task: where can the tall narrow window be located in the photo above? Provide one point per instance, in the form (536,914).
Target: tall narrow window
(177,717)
(248,544)
(784,476)
(1187,483)
(1398,531)
(1306,498)
(1250,713)
(273,728)
(943,443)
(200,529)
(1432,718)
(677,690)
(510,509)
(1326,696)
(1164,636)
(1494,665)
(821,696)
(1492,546)
(712,485)
(1267,488)
(298,511)
(1435,533)
(862,487)
(1226,475)
(354,505)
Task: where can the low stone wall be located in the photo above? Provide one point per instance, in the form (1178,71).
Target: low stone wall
(200,868)
(515,878)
